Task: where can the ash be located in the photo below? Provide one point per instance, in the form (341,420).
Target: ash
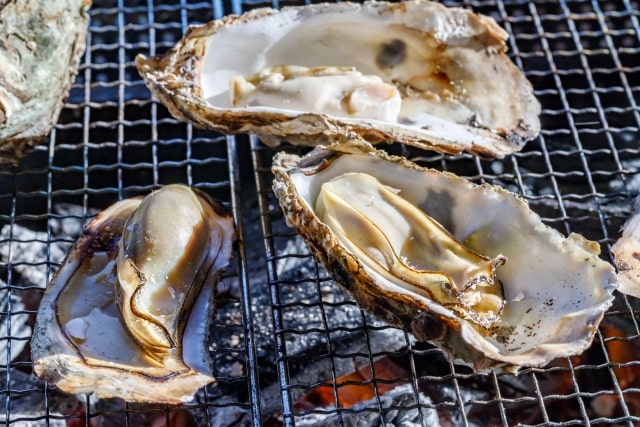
(29,255)
(402,410)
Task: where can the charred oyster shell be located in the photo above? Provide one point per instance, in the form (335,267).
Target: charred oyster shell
(293,73)
(85,336)
(40,47)
(555,289)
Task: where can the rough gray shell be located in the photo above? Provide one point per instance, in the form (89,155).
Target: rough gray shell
(40,47)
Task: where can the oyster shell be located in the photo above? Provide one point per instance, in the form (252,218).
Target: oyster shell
(93,320)
(40,47)
(554,289)
(292,75)
(626,252)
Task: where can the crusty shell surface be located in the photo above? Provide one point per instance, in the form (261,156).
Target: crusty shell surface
(576,320)
(175,78)
(40,47)
(626,252)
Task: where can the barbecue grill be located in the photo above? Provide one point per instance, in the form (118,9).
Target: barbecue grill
(287,344)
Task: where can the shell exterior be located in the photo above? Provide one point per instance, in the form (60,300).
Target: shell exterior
(81,340)
(40,47)
(460,91)
(556,289)
(626,252)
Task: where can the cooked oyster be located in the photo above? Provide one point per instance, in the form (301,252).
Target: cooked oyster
(40,47)
(133,298)
(390,235)
(626,252)
(402,239)
(337,91)
(292,75)
(158,285)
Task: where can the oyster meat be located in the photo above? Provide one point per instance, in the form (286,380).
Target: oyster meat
(626,252)
(416,72)
(40,47)
(468,267)
(133,299)
(330,90)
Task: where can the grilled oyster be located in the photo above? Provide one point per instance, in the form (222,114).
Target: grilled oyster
(468,267)
(626,252)
(133,298)
(40,47)
(415,72)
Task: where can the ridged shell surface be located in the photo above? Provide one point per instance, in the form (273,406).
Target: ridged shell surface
(442,75)
(555,288)
(626,252)
(40,47)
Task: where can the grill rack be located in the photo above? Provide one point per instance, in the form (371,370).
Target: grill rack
(114,141)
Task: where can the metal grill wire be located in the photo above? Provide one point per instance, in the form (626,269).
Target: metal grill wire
(278,335)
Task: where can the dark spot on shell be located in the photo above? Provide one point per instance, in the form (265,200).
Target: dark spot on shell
(341,274)
(406,121)
(427,327)
(391,54)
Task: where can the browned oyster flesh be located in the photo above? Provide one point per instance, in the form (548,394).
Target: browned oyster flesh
(416,72)
(468,267)
(99,321)
(40,47)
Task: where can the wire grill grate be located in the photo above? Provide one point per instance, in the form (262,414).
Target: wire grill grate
(283,330)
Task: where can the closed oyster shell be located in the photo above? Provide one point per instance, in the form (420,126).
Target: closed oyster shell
(40,47)
(555,288)
(81,341)
(460,91)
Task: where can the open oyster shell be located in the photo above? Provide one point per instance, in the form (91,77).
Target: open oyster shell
(626,252)
(87,340)
(555,289)
(456,88)
(40,47)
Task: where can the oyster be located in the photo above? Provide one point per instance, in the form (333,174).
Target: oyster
(626,252)
(133,298)
(40,47)
(468,267)
(416,72)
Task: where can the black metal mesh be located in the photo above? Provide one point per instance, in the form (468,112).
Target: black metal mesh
(283,329)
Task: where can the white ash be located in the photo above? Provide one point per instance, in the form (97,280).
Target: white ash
(289,264)
(29,252)
(72,220)
(14,330)
(632,180)
(25,398)
(405,412)
(297,274)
